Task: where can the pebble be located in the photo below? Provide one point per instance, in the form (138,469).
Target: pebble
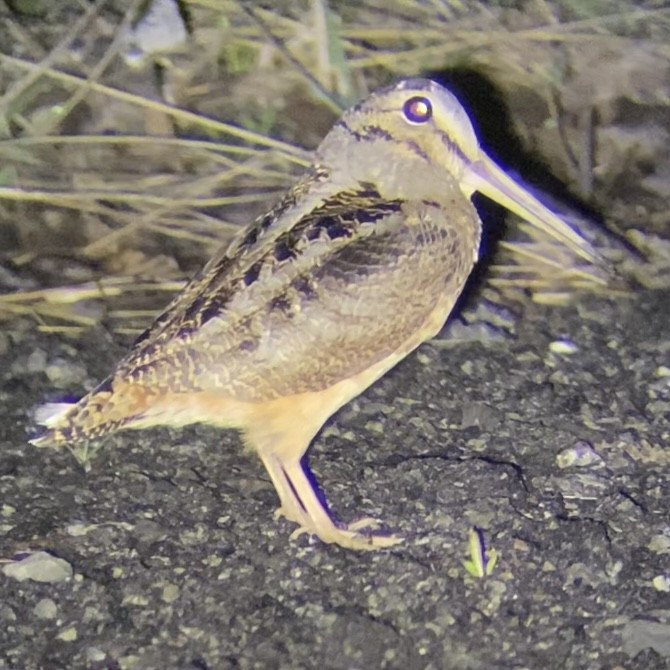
(581,455)
(563,347)
(170,593)
(36,361)
(46,609)
(160,30)
(39,567)
(95,655)
(68,635)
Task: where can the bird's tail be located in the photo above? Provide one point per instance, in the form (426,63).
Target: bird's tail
(101,412)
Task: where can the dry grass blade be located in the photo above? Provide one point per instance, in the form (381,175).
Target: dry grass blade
(133,195)
(66,304)
(286,150)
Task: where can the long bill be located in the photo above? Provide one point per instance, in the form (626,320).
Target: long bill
(492,181)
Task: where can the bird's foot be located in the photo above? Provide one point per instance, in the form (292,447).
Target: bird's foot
(361,535)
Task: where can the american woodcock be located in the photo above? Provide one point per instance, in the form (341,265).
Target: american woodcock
(356,266)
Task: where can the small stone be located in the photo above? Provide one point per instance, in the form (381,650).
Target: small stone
(582,486)
(7,510)
(129,662)
(580,455)
(36,361)
(63,373)
(135,600)
(661,583)
(46,609)
(458,332)
(160,30)
(375,427)
(68,635)
(170,593)
(95,655)
(39,567)
(563,347)
(467,368)
(423,359)
(660,544)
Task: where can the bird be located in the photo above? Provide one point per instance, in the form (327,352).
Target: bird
(359,263)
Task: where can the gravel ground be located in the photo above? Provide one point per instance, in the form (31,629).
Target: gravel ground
(165,554)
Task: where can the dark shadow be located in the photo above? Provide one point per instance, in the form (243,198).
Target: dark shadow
(493,124)
(486,106)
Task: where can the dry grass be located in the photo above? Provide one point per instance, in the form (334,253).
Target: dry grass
(115,170)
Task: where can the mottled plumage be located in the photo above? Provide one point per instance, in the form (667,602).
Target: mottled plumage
(359,263)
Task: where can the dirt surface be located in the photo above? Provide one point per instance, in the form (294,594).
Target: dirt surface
(560,459)
(548,434)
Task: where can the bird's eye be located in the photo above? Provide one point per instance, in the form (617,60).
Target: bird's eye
(418,109)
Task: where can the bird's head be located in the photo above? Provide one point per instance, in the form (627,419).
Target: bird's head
(415,141)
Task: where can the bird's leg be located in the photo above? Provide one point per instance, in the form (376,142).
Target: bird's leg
(289,507)
(300,503)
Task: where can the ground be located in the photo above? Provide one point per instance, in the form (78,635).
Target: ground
(546,432)
(559,459)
